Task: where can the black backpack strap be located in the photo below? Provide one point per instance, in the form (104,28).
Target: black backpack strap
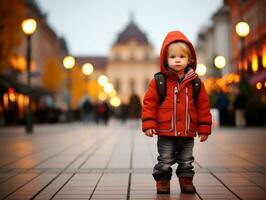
(160,80)
(196,89)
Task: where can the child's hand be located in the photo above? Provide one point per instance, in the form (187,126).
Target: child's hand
(203,138)
(150,132)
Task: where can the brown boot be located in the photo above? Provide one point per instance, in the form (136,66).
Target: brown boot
(163,187)
(186,185)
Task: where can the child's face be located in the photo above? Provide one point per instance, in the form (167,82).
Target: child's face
(178,57)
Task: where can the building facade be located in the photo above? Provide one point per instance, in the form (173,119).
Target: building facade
(254,61)
(47,52)
(214,40)
(131,63)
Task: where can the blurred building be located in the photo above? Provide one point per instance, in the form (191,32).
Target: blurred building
(220,39)
(252,12)
(47,52)
(88,86)
(130,65)
(132,62)
(214,40)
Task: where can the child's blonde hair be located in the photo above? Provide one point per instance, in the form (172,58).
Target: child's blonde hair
(180,46)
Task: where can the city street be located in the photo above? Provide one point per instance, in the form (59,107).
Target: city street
(82,161)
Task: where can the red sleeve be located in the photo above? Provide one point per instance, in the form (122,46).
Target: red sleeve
(150,107)
(203,111)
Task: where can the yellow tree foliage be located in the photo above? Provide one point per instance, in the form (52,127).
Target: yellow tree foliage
(11,15)
(52,75)
(94,90)
(78,86)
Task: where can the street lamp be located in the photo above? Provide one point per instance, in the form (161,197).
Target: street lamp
(242,30)
(115,101)
(87,70)
(219,62)
(102,80)
(29,26)
(245,90)
(201,69)
(108,88)
(69,62)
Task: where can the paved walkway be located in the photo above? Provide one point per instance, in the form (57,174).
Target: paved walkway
(77,161)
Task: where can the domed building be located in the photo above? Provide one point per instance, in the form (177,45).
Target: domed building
(132,62)
(130,66)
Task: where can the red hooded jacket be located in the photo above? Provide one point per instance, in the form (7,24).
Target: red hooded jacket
(177,115)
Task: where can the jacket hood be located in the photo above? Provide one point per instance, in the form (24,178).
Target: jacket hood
(175,36)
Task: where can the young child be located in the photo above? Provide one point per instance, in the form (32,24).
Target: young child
(178,119)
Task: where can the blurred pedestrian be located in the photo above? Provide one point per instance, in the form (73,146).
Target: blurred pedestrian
(87,113)
(123,112)
(222,105)
(239,107)
(177,119)
(134,111)
(102,113)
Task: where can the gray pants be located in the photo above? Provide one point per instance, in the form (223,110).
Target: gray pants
(174,150)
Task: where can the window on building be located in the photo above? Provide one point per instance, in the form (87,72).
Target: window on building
(146,56)
(117,85)
(132,85)
(132,55)
(116,56)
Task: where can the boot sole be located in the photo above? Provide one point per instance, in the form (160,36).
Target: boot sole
(188,192)
(163,192)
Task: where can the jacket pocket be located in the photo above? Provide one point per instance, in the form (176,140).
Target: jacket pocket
(165,119)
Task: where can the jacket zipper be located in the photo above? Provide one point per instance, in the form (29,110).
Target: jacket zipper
(175,94)
(187,114)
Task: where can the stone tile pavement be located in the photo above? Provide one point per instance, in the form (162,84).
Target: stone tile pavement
(81,161)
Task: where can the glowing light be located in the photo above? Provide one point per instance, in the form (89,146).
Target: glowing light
(69,62)
(259,86)
(113,93)
(19,63)
(108,88)
(264,56)
(201,69)
(102,96)
(242,29)
(12,97)
(219,62)
(239,66)
(115,101)
(224,83)
(11,94)
(245,64)
(29,26)
(20,101)
(87,68)
(5,99)
(236,78)
(26,100)
(102,80)
(254,61)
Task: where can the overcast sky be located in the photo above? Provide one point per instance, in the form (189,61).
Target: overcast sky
(90,27)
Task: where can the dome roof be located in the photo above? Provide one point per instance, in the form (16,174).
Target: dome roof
(132,32)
